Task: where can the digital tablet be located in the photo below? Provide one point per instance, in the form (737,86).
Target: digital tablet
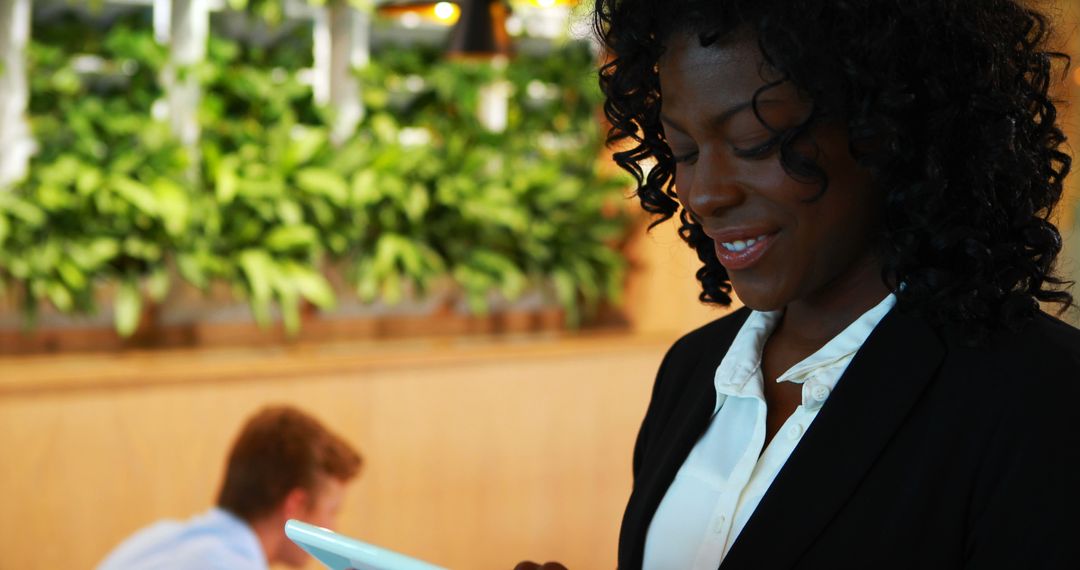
(340,552)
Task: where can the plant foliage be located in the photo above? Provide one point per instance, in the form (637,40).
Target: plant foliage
(422,196)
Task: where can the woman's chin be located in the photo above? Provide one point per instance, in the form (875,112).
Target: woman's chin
(758,299)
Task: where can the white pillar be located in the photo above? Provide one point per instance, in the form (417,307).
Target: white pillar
(342,43)
(321,46)
(162,21)
(494,104)
(188,31)
(16,141)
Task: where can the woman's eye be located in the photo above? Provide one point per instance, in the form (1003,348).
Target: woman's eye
(688,157)
(758,151)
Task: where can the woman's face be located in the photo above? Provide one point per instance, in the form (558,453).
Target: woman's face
(778,245)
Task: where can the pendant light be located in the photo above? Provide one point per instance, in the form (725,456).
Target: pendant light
(480,31)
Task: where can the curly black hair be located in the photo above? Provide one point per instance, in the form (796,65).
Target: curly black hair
(946,102)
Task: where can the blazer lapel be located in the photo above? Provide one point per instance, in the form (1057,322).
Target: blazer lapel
(869,403)
(673,444)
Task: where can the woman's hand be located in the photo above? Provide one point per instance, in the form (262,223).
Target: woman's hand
(529,565)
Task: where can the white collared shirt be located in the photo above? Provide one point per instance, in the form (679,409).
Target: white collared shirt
(726,474)
(214,540)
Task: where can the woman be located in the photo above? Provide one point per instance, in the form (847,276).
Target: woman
(875,181)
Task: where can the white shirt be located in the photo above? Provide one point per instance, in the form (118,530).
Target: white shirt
(726,474)
(214,540)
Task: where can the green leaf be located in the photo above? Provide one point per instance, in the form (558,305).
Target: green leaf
(268,188)
(325,214)
(409,257)
(136,193)
(288,238)
(566,294)
(174,205)
(391,290)
(60,296)
(71,275)
(289,301)
(259,270)
(44,258)
(349,157)
(192,269)
(142,248)
(385,128)
(364,190)
(128,308)
(586,281)
(290,212)
(260,309)
(383,262)
(311,285)
(157,285)
(124,164)
(478,303)
(93,254)
(304,143)
(226,183)
(89,180)
(416,202)
(367,282)
(62,172)
(323,182)
(22,209)
(54,198)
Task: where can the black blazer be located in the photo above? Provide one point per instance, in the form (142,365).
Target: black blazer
(928,454)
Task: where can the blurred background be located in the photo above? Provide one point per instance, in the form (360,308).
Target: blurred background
(398,216)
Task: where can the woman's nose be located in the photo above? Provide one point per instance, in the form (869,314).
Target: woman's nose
(713,187)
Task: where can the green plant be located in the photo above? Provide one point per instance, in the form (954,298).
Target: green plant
(421,195)
(104,200)
(503,211)
(272,208)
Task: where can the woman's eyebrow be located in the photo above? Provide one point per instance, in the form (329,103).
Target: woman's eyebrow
(723,116)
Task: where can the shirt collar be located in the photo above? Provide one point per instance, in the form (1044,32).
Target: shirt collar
(739,373)
(247,543)
(742,364)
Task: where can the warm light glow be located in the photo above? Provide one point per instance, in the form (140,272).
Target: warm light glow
(410,19)
(546,3)
(1076,76)
(445,11)
(514,25)
(412,16)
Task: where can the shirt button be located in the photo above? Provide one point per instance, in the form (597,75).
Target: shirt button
(718,524)
(795,431)
(819,392)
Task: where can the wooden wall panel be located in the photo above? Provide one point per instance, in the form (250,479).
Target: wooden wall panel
(662,292)
(473,462)
(1066,18)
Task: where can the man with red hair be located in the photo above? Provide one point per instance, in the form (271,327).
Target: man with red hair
(283,465)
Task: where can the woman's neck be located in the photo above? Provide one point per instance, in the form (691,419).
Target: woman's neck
(814,320)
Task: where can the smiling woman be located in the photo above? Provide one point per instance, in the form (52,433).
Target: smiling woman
(778,240)
(876,186)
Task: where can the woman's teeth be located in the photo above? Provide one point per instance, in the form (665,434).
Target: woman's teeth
(739,245)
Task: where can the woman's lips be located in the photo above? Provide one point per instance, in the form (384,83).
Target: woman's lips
(745,258)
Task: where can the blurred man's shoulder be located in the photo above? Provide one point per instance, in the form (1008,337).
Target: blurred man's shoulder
(212,540)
